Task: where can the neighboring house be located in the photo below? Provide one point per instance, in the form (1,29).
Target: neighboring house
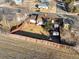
(59,0)
(74,6)
(2,1)
(7,1)
(18,1)
(11,17)
(42,0)
(76,2)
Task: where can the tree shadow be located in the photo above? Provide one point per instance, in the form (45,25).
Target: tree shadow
(69,43)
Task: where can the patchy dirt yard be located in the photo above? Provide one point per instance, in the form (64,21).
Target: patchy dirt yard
(34,29)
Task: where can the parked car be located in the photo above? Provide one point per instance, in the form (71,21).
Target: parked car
(61,5)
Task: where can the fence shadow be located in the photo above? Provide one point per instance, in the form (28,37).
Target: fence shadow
(43,37)
(32,35)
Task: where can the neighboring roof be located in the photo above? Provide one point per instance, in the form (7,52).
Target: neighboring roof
(44,0)
(2,1)
(42,6)
(10,17)
(76,3)
(18,1)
